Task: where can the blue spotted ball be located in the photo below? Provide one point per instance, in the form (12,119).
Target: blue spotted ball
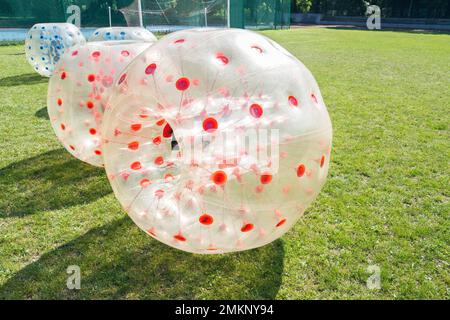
(46,42)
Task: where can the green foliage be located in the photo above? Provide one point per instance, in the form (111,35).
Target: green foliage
(303,5)
(433,9)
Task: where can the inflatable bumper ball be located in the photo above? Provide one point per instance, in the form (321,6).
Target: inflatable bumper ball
(216,140)
(122,33)
(79,90)
(46,42)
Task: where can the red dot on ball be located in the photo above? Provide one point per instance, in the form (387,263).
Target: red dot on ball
(96,54)
(279,224)
(145,183)
(136,165)
(256,110)
(92,131)
(157,140)
(134,145)
(266,178)
(122,78)
(301,170)
(167,131)
(210,124)
(206,219)
(59,102)
(98,152)
(247,227)
(159,160)
(136,127)
(293,101)
(91,78)
(219,177)
(90,104)
(222,58)
(322,161)
(150,68)
(183,84)
(179,237)
(63,75)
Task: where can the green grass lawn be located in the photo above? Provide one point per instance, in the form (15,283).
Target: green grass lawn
(385,202)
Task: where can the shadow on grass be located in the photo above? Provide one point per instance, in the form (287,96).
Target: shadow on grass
(118,261)
(50,181)
(22,79)
(42,113)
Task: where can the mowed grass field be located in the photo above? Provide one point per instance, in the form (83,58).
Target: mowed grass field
(385,203)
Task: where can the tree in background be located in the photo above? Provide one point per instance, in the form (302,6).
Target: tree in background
(302,5)
(96,12)
(431,9)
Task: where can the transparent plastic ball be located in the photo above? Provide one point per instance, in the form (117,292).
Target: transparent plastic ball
(122,33)
(216,140)
(79,90)
(45,43)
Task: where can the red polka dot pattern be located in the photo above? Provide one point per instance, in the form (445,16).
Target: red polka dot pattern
(79,91)
(232,148)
